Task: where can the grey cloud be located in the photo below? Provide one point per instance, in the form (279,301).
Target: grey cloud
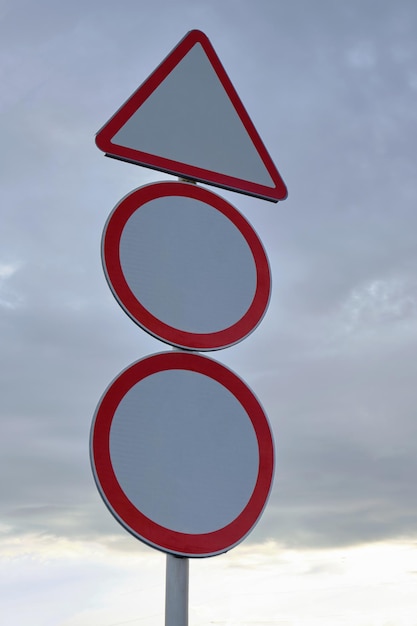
(332,88)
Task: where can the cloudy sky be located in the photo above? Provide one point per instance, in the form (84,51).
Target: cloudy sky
(331,87)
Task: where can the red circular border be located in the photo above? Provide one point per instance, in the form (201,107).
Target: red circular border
(167,540)
(113,270)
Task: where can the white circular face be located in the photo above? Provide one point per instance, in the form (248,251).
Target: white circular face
(182,454)
(186,266)
(184,451)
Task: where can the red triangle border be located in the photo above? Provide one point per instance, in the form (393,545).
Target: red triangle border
(105,135)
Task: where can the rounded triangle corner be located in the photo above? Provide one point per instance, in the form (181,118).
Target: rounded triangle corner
(283,193)
(101,142)
(197,35)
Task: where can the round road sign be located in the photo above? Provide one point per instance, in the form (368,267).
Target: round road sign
(182,454)
(186,266)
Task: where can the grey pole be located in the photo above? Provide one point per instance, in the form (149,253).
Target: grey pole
(176,591)
(176,578)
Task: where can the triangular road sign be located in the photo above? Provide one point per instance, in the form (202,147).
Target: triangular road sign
(187,119)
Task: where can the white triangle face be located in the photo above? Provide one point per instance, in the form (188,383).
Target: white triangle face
(187,119)
(190,119)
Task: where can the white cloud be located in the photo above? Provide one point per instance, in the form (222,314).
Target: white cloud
(362,56)
(382,305)
(9,299)
(262,583)
(7,270)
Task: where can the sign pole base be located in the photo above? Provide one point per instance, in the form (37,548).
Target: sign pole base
(176,591)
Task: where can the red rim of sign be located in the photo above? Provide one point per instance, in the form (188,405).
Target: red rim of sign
(106,134)
(147,530)
(143,317)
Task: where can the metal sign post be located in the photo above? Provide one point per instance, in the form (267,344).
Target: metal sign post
(181,450)
(176,591)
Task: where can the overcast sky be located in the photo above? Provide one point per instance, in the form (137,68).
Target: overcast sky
(331,87)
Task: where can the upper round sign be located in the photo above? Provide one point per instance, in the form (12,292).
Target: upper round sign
(182,454)
(186,266)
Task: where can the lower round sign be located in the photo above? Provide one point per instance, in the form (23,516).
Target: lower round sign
(182,454)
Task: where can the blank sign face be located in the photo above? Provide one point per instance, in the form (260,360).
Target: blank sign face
(186,266)
(201,275)
(187,119)
(190,119)
(184,437)
(182,454)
